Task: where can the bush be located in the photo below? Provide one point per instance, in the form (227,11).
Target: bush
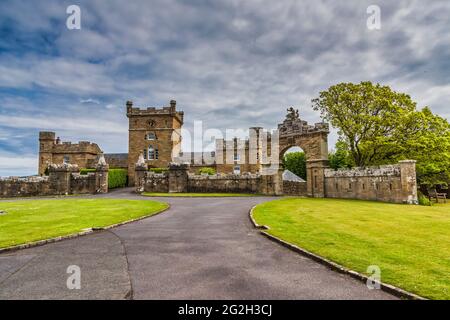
(423,200)
(207,170)
(85,171)
(117,178)
(158,170)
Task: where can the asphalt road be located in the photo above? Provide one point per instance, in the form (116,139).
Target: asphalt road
(201,248)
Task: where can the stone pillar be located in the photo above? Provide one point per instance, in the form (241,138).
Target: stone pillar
(315,181)
(101,176)
(408,181)
(178,177)
(60,176)
(140,174)
(278,182)
(271,180)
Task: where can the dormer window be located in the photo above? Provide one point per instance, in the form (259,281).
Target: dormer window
(151,136)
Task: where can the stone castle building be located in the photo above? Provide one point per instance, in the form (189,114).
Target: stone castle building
(156,134)
(52,150)
(154,141)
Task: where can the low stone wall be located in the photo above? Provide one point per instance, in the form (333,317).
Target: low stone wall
(229,183)
(389,183)
(177,179)
(156,182)
(19,187)
(294,188)
(62,180)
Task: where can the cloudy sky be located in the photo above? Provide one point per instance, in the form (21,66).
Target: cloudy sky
(232,64)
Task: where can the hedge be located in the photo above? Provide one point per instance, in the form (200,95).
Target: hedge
(207,170)
(85,171)
(158,170)
(117,178)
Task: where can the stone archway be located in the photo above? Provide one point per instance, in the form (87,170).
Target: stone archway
(313,139)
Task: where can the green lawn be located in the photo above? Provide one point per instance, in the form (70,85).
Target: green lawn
(411,244)
(161,194)
(31,220)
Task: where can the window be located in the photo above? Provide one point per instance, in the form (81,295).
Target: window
(151,153)
(237,157)
(145,154)
(237,170)
(66,159)
(151,136)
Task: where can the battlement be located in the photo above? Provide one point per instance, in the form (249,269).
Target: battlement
(80,147)
(153,111)
(47,135)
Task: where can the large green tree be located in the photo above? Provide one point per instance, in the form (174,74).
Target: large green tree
(296,163)
(379,126)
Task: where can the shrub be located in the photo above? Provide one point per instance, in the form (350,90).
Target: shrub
(158,170)
(207,170)
(423,200)
(85,171)
(117,178)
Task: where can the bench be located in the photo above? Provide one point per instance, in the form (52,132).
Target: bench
(433,194)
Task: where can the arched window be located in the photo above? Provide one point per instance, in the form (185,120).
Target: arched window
(151,136)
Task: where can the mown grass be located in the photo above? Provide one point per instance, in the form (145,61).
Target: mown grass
(27,221)
(411,244)
(194,195)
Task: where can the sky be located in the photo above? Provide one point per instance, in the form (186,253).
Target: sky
(231,64)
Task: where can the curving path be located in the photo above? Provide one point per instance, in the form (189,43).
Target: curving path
(201,248)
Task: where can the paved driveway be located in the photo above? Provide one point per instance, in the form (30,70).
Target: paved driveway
(199,249)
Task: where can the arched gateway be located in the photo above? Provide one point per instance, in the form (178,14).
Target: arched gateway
(294,132)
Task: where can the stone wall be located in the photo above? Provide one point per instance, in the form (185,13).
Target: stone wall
(294,188)
(178,179)
(156,182)
(389,183)
(225,183)
(62,180)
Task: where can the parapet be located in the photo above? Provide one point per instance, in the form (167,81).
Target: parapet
(47,135)
(152,111)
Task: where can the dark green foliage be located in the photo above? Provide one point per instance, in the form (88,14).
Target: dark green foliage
(117,178)
(85,171)
(423,200)
(158,170)
(296,163)
(381,126)
(340,157)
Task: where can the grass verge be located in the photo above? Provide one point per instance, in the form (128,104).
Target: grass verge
(410,244)
(27,221)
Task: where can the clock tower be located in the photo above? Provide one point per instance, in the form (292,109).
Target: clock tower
(155,133)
